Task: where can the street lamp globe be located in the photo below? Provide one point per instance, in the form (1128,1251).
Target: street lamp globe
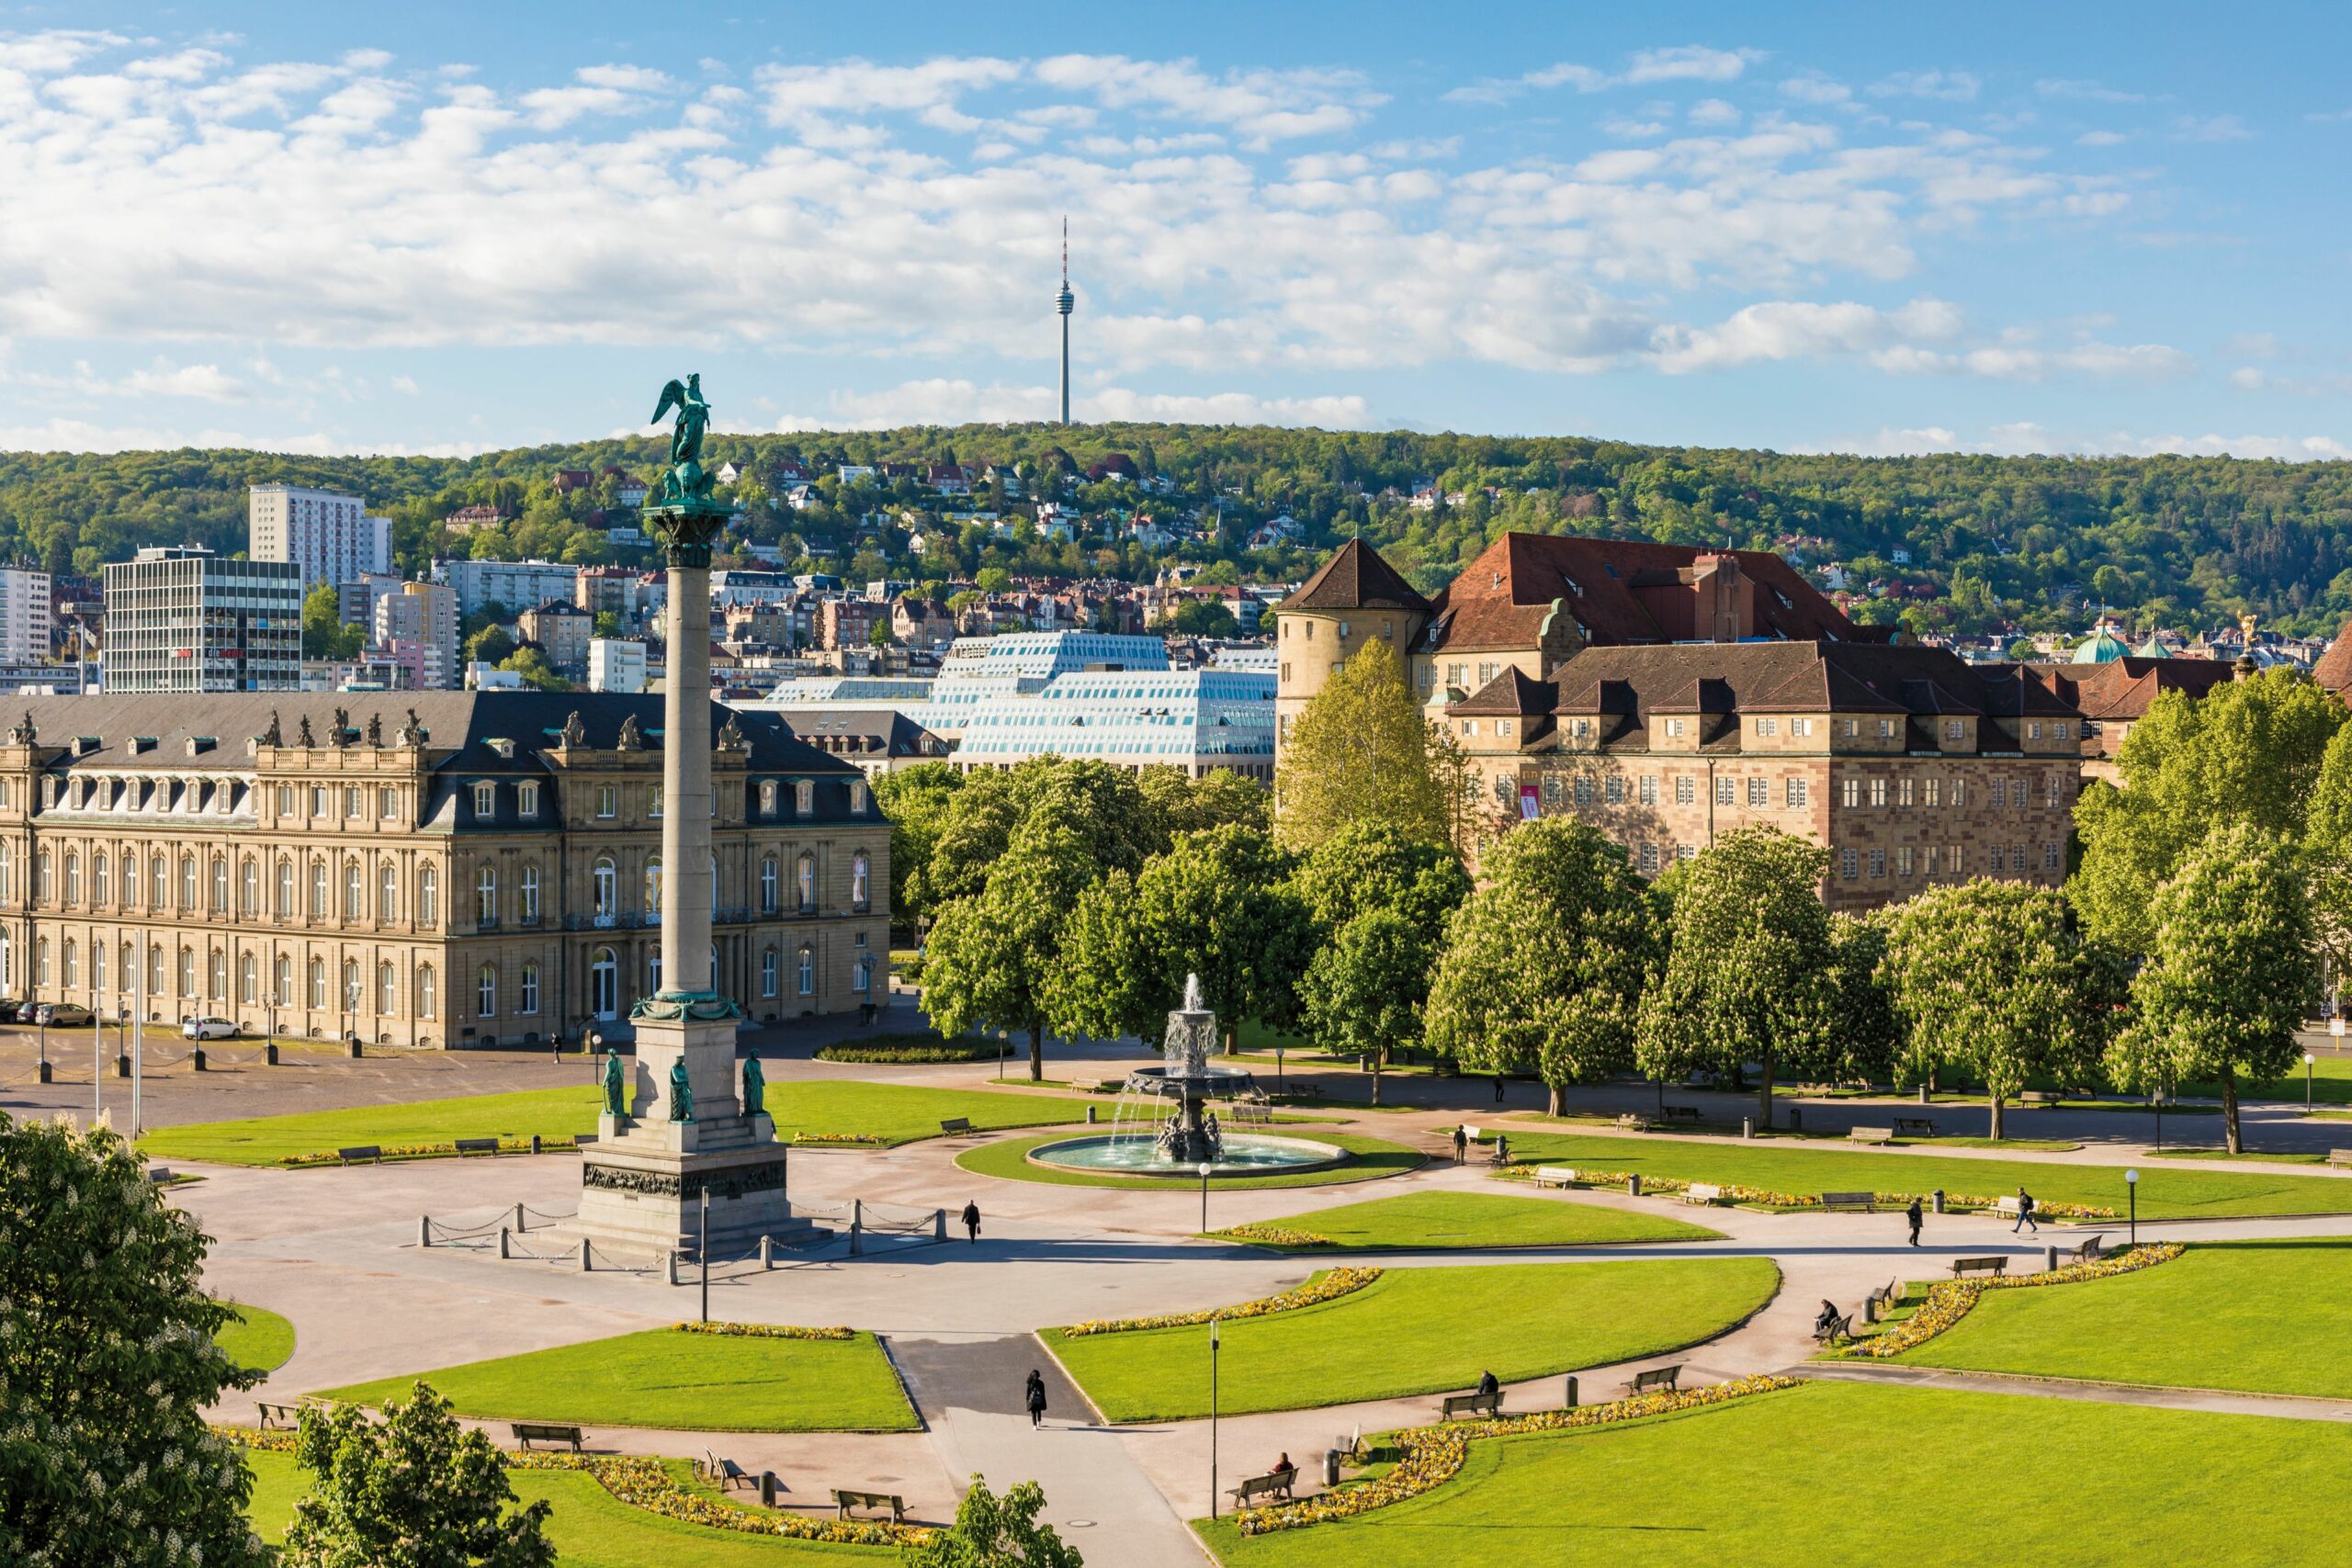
(2132,1177)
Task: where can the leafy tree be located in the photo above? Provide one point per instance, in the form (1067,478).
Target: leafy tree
(1751,972)
(1373,864)
(1202,617)
(1365,989)
(991,955)
(608,624)
(414,1489)
(997,1532)
(1182,804)
(1544,968)
(107,1366)
(324,634)
(917,801)
(882,636)
(492,645)
(2233,974)
(1990,977)
(1359,751)
(2249,752)
(976,825)
(2327,849)
(536,673)
(1864,1029)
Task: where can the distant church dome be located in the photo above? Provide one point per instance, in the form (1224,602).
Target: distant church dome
(2102,647)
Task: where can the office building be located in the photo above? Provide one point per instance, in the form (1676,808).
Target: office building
(1194,720)
(330,537)
(27,622)
(183,620)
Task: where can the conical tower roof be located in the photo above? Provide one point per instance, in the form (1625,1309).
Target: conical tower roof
(1355,578)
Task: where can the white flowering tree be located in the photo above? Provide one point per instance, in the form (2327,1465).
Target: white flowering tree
(2233,975)
(106,1364)
(1989,977)
(414,1489)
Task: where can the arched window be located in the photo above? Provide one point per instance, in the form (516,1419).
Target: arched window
(7,871)
(318,985)
(220,884)
(653,973)
(249,887)
(486,896)
(318,890)
(652,904)
(425,996)
(351,893)
(859,898)
(188,884)
(531,894)
(98,881)
(72,965)
(606,882)
(248,980)
(219,976)
(187,975)
(41,876)
(806,972)
(158,889)
(486,992)
(97,966)
(351,984)
(388,892)
(805,883)
(7,964)
(130,881)
(282,992)
(768,973)
(285,889)
(40,961)
(155,969)
(604,984)
(428,896)
(769,888)
(861,975)
(530,990)
(73,879)
(388,990)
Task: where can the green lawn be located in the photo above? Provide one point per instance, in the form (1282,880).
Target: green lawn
(1478,1219)
(891,1113)
(2264,1316)
(1374,1158)
(257,1338)
(2168,1192)
(1832,1473)
(663,1378)
(1422,1331)
(589,1527)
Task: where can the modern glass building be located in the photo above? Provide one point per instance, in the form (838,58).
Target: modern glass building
(1194,719)
(183,620)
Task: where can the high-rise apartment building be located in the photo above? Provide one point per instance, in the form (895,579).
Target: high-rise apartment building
(330,537)
(183,620)
(425,614)
(26,621)
(513,585)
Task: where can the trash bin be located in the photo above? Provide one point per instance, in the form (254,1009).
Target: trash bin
(1796,1119)
(1330,1468)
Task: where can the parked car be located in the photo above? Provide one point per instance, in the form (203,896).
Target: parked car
(207,1029)
(62,1013)
(25,1012)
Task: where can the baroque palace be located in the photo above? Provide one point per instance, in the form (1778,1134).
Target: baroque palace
(1667,694)
(429,869)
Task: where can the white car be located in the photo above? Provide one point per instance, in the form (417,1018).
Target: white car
(207,1029)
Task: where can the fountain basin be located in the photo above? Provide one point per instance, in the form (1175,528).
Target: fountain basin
(1243,1154)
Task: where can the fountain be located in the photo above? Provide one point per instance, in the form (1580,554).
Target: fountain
(1164,1127)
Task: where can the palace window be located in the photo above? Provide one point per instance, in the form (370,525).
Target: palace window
(804,797)
(73,879)
(248,987)
(1849,792)
(805,883)
(1878,863)
(285,889)
(605,882)
(1796,792)
(187,975)
(1849,864)
(530,997)
(859,896)
(486,896)
(857,788)
(654,801)
(220,884)
(1649,860)
(1903,791)
(486,992)
(318,985)
(526,800)
(2000,792)
(1584,789)
(1878,792)
(1903,860)
(1954,730)
(767,797)
(428,1005)
(807,972)
(485,799)
(388,990)
(1551,791)
(768,973)
(188,884)
(1760,792)
(388,802)
(1649,789)
(653,891)
(351,998)
(219,976)
(388,892)
(609,801)
(248,887)
(770,892)
(1612,789)
(1768,726)
(73,965)
(1686,790)
(531,894)
(1726,792)
(428,896)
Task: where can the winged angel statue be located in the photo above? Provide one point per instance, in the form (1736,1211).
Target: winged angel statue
(685,482)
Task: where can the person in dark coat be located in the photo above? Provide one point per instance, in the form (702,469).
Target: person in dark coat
(1912,1214)
(2025,1212)
(1461,1143)
(972,1221)
(1486,1383)
(1826,1318)
(1034,1398)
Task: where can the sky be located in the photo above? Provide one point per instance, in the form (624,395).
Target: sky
(428,227)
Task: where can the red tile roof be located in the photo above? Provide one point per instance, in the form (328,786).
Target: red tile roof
(1355,578)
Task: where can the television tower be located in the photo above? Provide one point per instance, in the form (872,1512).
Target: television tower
(1062,302)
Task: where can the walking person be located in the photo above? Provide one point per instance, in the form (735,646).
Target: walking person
(2025,1212)
(1461,1143)
(1034,1398)
(972,1225)
(1499,1089)
(1912,1214)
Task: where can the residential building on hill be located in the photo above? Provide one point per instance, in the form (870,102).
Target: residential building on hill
(515,585)
(329,535)
(436,870)
(180,619)
(424,616)
(28,619)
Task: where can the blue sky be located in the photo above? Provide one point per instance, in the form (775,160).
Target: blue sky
(1875,228)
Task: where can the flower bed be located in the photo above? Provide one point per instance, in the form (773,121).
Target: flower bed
(1948,1303)
(276,1440)
(1327,1286)
(765,1331)
(851,1139)
(424,1151)
(1765,1198)
(1270,1235)
(1429,1456)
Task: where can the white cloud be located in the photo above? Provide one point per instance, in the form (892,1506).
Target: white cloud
(1713,112)
(1263,105)
(2029,437)
(204,381)
(1956,86)
(1688,62)
(2101,138)
(948,401)
(406,386)
(2210,127)
(1796,330)
(1817,90)
(2086,91)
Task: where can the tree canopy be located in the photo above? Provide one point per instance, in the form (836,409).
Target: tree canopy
(414,1488)
(1360,751)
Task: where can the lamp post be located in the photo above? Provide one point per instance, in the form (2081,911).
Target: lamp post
(2131,1185)
(702,1250)
(1206,1169)
(1278,1065)
(1213,1339)
(2307,1062)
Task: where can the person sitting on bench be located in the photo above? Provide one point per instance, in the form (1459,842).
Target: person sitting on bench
(1283,1468)
(1826,1318)
(1487,1386)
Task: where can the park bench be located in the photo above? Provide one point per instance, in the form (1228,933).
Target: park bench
(1868,1134)
(724,1473)
(1273,1483)
(2092,1249)
(476,1146)
(288,1415)
(1704,1193)
(1554,1175)
(844,1499)
(1865,1201)
(2339,1157)
(2004,1207)
(1837,1328)
(956,1124)
(2042,1097)
(529,1432)
(1352,1448)
(1666,1378)
(1472,1404)
(1915,1126)
(1961,1266)
(1630,1122)
(1887,1296)
(371,1152)
(1682,1114)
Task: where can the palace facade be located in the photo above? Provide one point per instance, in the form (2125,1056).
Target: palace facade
(426,869)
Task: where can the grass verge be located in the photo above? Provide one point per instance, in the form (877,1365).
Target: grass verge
(1374,1158)
(257,1338)
(1470,1220)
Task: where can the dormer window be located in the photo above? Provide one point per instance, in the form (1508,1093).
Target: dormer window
(485,799)
(804,797)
